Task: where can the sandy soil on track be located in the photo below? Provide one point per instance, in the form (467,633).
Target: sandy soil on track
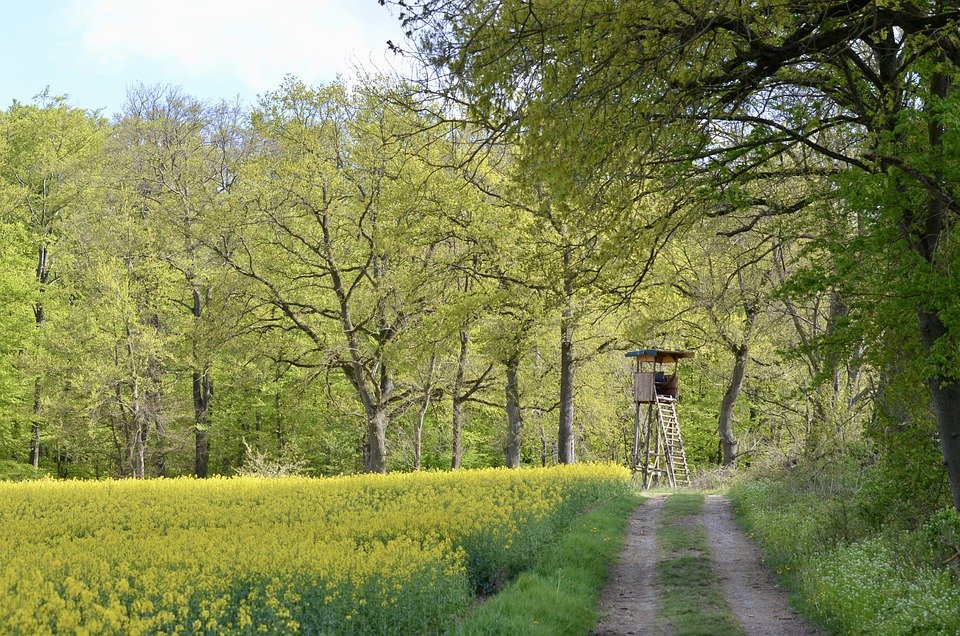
(631,600)
(751,592)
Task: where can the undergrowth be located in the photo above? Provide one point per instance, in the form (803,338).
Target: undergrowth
(848,570)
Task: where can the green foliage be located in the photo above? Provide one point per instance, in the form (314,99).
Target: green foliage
(701,390)
(830,178)
(17,334)
(906,484)
(865,587)
(12,470)
(559,595)
(849,575)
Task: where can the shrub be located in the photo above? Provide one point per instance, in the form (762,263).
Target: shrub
(288,463)
(17,471)
(848,575)
(866,588)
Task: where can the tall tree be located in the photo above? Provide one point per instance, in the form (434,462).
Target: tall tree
(865,89)
(16,292)
(49,154)
(182,157)
(340,237)
(728,285)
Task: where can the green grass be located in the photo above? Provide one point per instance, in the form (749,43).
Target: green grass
(681,504)
(560,595)
(692,596)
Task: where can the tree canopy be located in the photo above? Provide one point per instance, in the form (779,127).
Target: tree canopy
(444,270)
(841,110)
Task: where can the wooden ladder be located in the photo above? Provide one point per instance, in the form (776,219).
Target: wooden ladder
(677,471)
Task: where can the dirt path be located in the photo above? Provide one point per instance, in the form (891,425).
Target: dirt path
(751,592)
(631,600)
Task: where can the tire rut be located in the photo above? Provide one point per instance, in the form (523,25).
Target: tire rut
(630,601)
(751,592)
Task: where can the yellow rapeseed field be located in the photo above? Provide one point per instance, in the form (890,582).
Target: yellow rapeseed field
(394,553)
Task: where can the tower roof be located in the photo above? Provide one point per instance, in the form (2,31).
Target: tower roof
(659,355)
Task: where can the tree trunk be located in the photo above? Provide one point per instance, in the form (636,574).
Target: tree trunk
(278,429)
(153,418)
(40,317)
(565,430)
(422,414)
(728,442)
(376,455)
(138,445)
(458,398)
(945,393)
(242,446)
(159,451)
(202,395)
(944,390)
(543,447)
(35,428)
(514,414)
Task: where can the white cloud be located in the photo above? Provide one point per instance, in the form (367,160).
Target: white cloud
(254,42)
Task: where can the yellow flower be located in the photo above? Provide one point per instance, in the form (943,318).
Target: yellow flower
(140,557)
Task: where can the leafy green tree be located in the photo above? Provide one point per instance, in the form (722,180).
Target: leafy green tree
(117,339)
(340,235)
(180,157)
(49,152)
(864,89)
(16,333)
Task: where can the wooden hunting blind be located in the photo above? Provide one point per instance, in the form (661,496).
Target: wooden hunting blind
(656,386)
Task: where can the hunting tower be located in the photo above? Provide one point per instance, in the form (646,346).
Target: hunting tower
(661,457)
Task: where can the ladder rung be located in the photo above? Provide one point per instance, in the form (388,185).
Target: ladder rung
(670,436)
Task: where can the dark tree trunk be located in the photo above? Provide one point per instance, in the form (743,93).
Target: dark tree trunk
(565,452)
(40,317)
(376,453)
(944,390)
(35,427)
(514,414)
(202,396)
(458,398)
(278,430)
(543,447)
(945,393)
(375,407)
(728,442)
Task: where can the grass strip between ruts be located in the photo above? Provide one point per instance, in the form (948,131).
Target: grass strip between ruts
(560,595)
(692,595)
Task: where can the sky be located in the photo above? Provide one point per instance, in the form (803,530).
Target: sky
(94,50)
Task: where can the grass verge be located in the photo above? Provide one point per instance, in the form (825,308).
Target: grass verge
(692,596)
(845,575)
(560,594)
